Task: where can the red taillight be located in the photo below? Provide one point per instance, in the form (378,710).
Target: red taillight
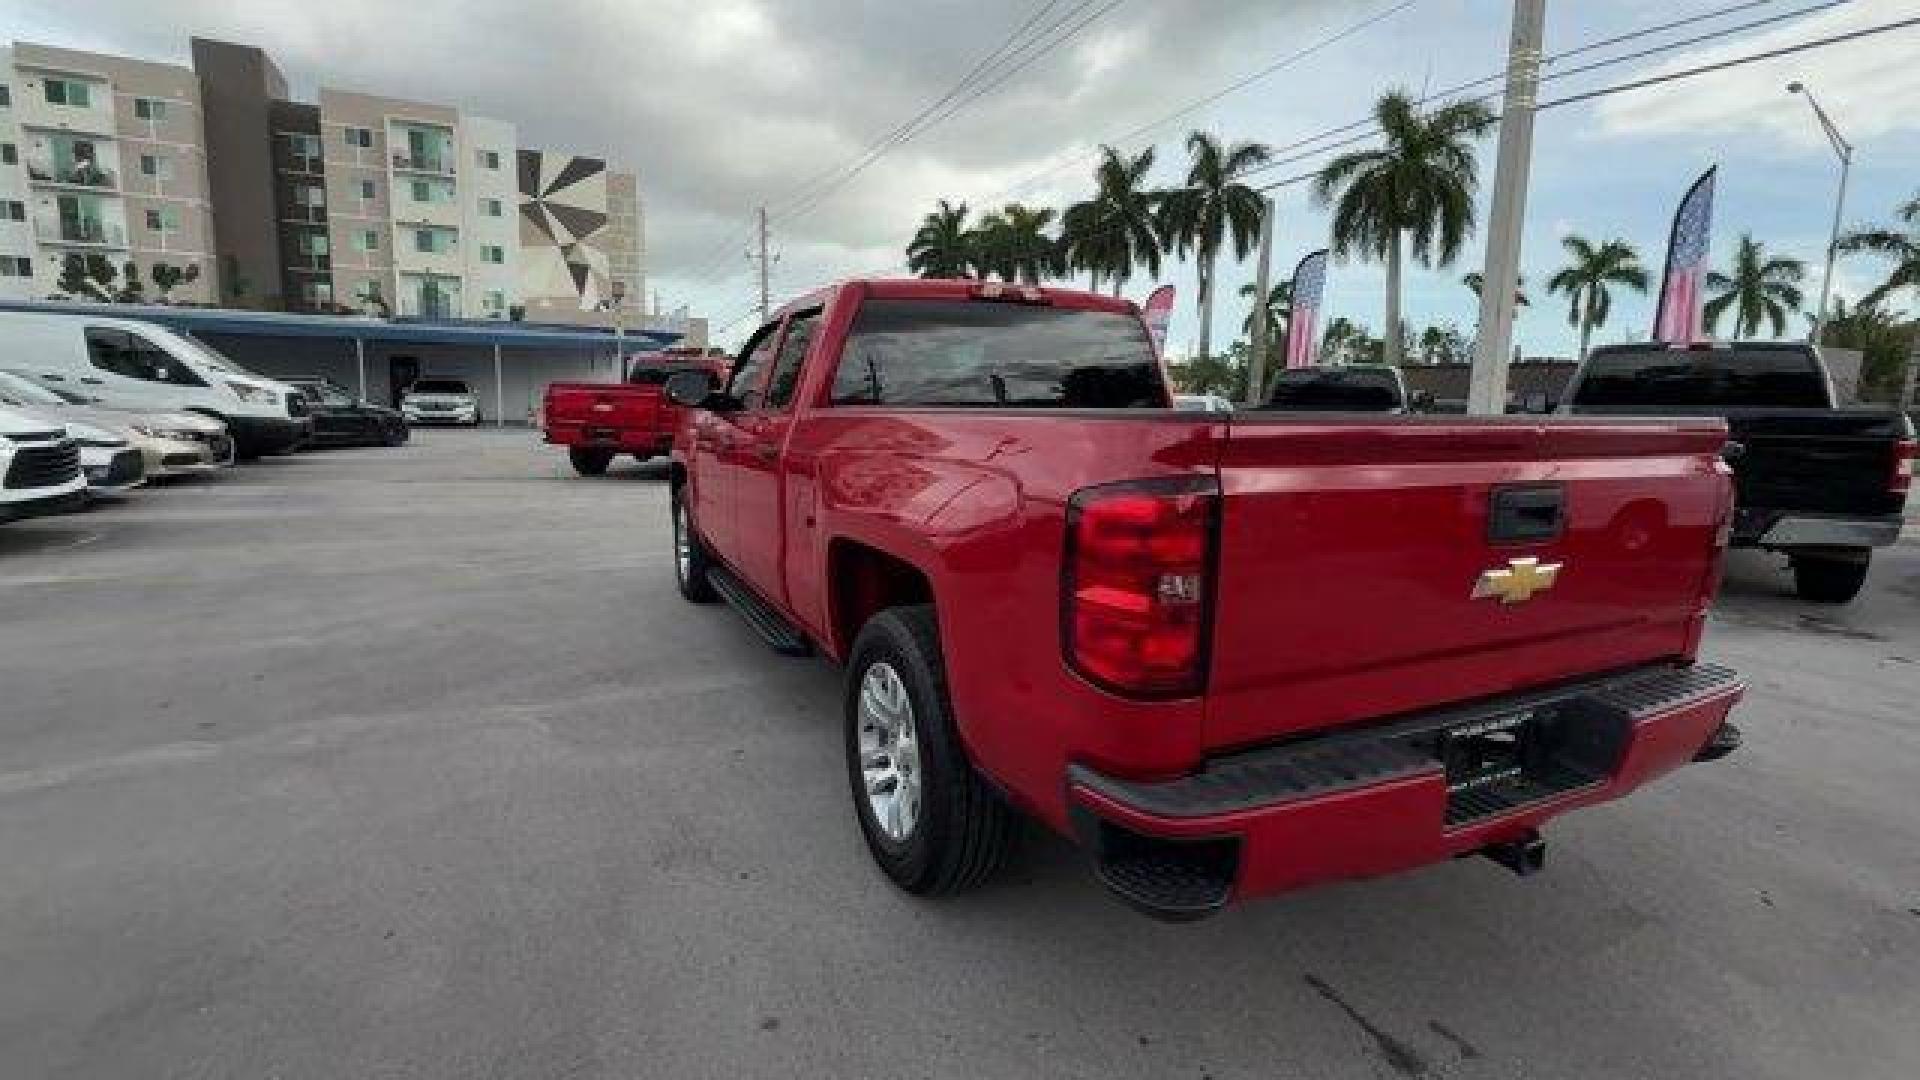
(1902,478)
(1138,585)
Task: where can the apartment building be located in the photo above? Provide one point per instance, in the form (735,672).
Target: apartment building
(103,162)
(356,202)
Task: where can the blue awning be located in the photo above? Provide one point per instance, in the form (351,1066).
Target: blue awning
(483,333)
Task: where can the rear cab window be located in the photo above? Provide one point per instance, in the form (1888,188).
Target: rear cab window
(975,354)
(1335,390)
(1680,381)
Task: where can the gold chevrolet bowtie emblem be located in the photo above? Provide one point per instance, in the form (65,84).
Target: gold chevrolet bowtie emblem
(1517,581)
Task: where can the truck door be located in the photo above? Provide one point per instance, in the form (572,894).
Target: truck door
(718,442)
(758,501)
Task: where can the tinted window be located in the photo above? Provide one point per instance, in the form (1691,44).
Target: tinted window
(650,376)
(439,386)
(135,357)
(1335,390)
(1680,381)
(793,350)
(946,352)
(753,360)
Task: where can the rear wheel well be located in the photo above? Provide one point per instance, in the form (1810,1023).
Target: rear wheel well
(865,582)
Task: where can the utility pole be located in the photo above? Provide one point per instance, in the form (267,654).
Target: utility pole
(1487,393)
(764,308)
(1257,347)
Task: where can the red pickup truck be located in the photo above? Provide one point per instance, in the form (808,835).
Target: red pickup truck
(596,422)
(1231,654)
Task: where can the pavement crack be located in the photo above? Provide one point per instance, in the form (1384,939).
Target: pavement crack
(1467,1049)
(1404,1059)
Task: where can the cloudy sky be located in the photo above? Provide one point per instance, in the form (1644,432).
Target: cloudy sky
(726,105)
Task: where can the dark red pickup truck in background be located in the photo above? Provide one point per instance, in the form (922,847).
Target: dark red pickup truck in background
(597,422)
(1231,654)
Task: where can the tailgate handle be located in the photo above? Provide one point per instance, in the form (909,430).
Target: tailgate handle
(1522,513)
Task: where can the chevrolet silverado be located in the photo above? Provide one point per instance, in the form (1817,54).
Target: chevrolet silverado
(1231,654)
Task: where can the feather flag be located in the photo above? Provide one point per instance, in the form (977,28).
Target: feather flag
(1677,321)
(1303,323)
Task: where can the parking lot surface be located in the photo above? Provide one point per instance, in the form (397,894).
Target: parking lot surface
(412,763)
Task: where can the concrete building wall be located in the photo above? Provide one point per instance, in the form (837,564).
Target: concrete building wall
(19,251)
(489,216)
(239,85)
(625,265)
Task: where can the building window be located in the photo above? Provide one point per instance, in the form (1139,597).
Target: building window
(489,159)
(495,300)
(490,207)
(359,136)
(368,240)
(319,293)
(433,241)
(6,96)
(8,155)
(13,210)
(68,92)
(163,219)
(369,190)
(313,195)
(313,243)
(15,266)
(154,165)
(147,108)
(492,253)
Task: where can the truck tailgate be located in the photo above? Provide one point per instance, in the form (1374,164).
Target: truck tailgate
(614,406)
(1351,553)
(1817,461)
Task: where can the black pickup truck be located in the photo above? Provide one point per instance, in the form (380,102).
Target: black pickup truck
(1821,485)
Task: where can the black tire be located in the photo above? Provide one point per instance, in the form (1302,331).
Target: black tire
(690,573)
(395,437)
(963,832)
(588,461)
(1828,581)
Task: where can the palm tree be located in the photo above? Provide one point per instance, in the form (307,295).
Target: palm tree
(1278,309)
(1343,341)
(943,246)
(1211,210)
(1585,281)
(1419,183)
(1902,247)
(1111,233)
(1759,289)
(1013,243)
(1476,279)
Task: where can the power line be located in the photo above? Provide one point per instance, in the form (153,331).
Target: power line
(975,94)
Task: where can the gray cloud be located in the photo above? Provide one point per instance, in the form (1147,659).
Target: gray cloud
(723,104)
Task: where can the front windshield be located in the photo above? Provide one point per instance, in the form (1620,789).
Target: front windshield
(17,389)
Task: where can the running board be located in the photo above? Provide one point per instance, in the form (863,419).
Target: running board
(772,626)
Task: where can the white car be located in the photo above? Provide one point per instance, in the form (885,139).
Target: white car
(130,363)
(108,458)
(440,401)
(170,443)
(39,467)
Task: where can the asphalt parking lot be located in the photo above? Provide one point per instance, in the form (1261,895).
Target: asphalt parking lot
(411,763)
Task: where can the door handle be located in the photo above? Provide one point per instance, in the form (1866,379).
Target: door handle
(91,382)
(51,377)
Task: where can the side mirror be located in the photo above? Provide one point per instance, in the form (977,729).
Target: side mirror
(691,389)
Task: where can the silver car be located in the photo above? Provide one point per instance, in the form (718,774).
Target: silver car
(170,443)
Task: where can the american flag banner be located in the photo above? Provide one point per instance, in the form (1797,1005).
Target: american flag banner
(1303,324)
(1677,321)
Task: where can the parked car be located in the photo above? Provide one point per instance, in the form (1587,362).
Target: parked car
(108,458)
(343,418)
(1231,654)
(440,401)
(1378,388)
(170,443)
(128,363)
(598,421)
(1822,485)
(39,467)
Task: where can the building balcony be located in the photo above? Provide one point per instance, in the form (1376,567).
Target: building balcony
(310,215)
(83,175)
(80,232)
(434,165)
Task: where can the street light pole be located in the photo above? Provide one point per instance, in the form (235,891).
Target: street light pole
(1845,150)
(1487,389)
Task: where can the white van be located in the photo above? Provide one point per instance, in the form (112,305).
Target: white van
(129,363)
